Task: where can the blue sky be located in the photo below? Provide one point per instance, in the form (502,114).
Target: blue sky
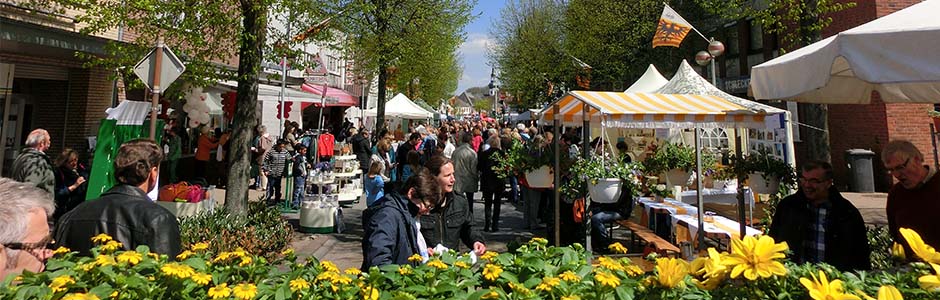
(476,71)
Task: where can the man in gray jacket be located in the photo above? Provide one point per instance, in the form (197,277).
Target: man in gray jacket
(32,165)
(465,168)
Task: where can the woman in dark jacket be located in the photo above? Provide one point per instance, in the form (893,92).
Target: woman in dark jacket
(451,222)
(70,181)
(491,185)
(363,150)
(391,232)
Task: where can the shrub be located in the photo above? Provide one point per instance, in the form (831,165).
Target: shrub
(261,232)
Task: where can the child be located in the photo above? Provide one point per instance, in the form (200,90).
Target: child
(275,162)
(300,173)
(413,162)
(375,184)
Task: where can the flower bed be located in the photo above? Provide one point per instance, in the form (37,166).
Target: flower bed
(755,269)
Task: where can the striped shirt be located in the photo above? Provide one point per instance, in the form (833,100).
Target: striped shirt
(815,245)
(275,162)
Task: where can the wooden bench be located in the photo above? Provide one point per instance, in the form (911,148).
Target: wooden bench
(653,242)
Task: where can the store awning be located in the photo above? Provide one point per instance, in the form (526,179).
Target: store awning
(334,96)
(643,110)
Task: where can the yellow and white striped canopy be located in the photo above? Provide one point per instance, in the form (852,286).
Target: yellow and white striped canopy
(642,110)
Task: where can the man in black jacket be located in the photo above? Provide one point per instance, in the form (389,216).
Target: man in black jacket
(391,233)
(125,212)
(401,154)
(362,147)
(819,225)
(452,222)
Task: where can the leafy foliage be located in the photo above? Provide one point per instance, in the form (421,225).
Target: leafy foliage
(671,156)
(764,162)
(595,168)
(520,158)
(261,232)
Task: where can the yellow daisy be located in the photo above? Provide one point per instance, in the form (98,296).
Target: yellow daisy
(921,249)
(548,283)
(569,276)
(299,284)
(220,291)
(184,255)
(178,270)
(492,271)
(80,296)
(328,266)
(820,288)
(404,270)
(245,291)
(539,241)
(130,257)
(61,250)
(415,258)
(608,263)
(489,255)
(617,248)
(607,279)
(200,246)
(756,257)
(201,278)
(490,295)
(671,272)
(287,251)
(104,260)
(59,284)
(931,282)
(886,292)
(571,297)
(897,250)
(353,271)
(111,246)
(437,264)
(246,260)
(101,238)
(370,293)
(461,264)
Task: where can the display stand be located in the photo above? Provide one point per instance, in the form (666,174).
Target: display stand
(348,179)
(318,211)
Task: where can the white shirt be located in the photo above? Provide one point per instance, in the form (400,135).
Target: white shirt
(449,149)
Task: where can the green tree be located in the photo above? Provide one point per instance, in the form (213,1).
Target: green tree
(403,34)
(204,34)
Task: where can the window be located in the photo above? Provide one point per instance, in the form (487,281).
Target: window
(732,40)
(732,67)
(715,138)
(757,35)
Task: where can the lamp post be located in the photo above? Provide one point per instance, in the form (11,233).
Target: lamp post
(702,58)
(494,89)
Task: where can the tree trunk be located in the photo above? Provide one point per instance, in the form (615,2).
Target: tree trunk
(816,115)
(254,19)
(380,105)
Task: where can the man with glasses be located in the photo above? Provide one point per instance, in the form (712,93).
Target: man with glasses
(24,232)
(820,225)
(914,202)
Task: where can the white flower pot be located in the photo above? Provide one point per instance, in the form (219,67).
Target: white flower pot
(540,178)
(677,177)
(760,186)
(729,184)
(606,190)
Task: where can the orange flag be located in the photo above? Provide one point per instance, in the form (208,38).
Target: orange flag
(671,30)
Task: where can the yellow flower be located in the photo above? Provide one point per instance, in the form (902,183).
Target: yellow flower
(540,241)
(404,270)
(61,250)
(492,271)
(114,294)
(415,258)
(153,255)
(353,271)
(370,293)
(887,292)
(329,266)
(897,250)
(607,279)
(101,238)
(569,276)
(245,291)
(548,283)
(130,257)
(921,249)
(634,270)
(246,260)
(756,257)
(931,282)
(200,246)
(87,267)
(111,246)
(184,255)
(222,257)
(490,295)
(571,297)
(80,296)
(104,260)
(489,255)
(239,252)
(220,291)
(519,288)
(820,288)
(617,248)
(326,276)
(461,264)
(60,283)
(201,278)
(608,263)
(299,284)
(437,264)
(287,251)
(671,272)
(708,270)
(178,270)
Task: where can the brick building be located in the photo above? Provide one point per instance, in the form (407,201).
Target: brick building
(850,126)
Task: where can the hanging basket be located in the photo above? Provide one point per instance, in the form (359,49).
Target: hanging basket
(761,186)
(540,178)
(606,190)
(677,177)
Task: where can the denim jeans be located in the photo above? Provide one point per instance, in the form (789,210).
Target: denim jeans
(274,188)
(514,189)
(599,220)
(530,203)
(299,186)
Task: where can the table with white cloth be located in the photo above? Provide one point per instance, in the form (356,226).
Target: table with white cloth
(718,228)
(721,196)
(678,221)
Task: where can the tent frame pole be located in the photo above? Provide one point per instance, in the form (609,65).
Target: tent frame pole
(557,180)
(698,189)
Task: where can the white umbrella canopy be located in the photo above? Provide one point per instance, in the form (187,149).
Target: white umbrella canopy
(894,55)
(651,81)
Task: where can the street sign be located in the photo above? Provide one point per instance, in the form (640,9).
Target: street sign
(170,69)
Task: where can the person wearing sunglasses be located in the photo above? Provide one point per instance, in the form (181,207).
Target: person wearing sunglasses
(125,212)
(392,234)
(24,230)
(914,201)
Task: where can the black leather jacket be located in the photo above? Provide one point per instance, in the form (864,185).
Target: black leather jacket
(126,214)
(847,246)
(451,224)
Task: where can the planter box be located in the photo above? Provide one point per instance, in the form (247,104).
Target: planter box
(760,186)
(540,178)
(316,220)
(606,190)
(677,177)
(186,209)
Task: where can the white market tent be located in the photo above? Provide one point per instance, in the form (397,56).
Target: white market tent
(894,55)
(651,81)
(401,107)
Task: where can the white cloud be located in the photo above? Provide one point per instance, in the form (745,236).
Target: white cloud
(476,68)
(476,44)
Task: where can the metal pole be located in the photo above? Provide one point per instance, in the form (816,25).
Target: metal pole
(7,92)
(933,140)
(555,138)
(585,152)
(737,153)
(714,78)
(155,98)
(698,189)
(280,123)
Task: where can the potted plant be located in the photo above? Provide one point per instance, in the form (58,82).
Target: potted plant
(673,161)
(533,162)
(607,178)
(765,172)
(724,178)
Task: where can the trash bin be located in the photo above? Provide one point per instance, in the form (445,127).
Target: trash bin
(861,174)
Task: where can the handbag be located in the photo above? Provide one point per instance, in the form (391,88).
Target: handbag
(171,192)
(578,210)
